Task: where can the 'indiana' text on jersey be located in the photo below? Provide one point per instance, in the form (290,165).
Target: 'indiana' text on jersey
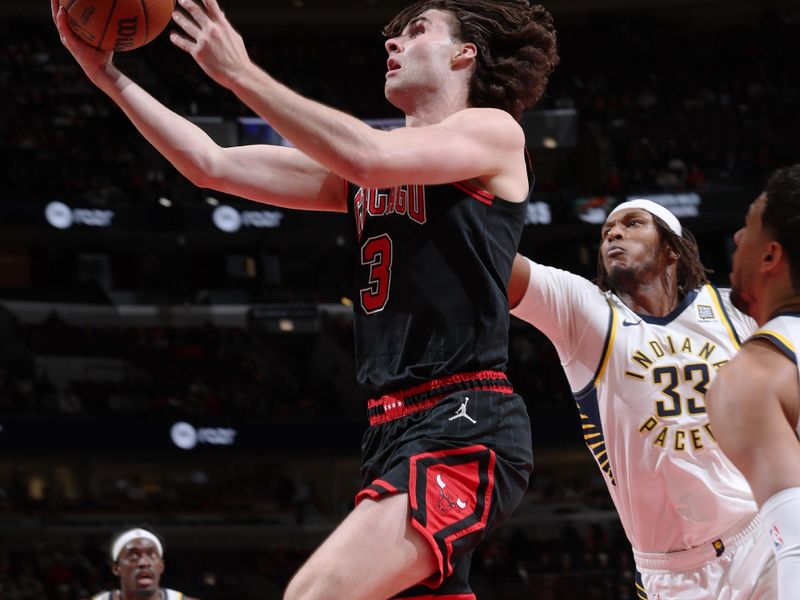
(431,269)
(655,375)
(680,369)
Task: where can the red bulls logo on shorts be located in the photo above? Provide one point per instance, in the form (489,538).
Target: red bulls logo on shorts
(447,500)
(451,494)
(451,489)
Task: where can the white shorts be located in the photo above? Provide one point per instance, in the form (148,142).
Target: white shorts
(739,565)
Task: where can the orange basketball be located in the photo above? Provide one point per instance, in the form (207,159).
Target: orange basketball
(118,25)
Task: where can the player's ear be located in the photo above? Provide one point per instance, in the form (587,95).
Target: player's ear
(669,250)
(673,255)
(465,54)
(772,257)
(115,568)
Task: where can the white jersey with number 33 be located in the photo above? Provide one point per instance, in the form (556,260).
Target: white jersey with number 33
(640,384)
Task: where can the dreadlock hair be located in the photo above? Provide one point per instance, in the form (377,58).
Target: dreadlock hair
(782,215)
(691,273)
(516,48)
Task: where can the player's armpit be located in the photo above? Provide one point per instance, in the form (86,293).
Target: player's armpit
(518,283)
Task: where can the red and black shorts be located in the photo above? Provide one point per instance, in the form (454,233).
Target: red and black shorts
(460,447)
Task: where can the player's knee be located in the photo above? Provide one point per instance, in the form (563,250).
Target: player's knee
(319,583)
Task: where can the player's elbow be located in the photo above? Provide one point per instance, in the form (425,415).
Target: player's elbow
(204,169)
(365,167)
(198,177)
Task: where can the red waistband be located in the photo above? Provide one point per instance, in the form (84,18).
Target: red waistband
(421,397)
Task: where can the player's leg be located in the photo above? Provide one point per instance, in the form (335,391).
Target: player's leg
(375,553)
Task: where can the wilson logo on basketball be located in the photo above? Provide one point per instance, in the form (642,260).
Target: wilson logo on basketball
(126,33)
(116,25)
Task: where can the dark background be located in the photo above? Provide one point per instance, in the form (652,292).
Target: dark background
(143,313)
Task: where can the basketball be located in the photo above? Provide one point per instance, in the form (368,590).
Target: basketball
(118,25)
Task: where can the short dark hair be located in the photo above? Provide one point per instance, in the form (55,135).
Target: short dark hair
(782,215)
(516,48)
(691,273)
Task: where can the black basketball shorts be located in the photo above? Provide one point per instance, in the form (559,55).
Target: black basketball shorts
(460,447)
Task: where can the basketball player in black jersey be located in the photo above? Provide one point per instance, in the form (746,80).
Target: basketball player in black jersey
(437,209)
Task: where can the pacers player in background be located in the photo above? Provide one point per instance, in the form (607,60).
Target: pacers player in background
(639,349)
(137,558)
(437,209)
(754,403)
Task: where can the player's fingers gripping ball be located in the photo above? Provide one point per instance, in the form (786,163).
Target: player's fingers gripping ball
(118,25)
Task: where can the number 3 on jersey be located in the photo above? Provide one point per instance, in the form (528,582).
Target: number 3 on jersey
(377,253)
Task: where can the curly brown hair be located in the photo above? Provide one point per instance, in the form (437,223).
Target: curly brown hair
(516,48)
(691,273)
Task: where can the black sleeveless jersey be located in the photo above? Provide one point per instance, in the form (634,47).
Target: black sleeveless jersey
(432,265)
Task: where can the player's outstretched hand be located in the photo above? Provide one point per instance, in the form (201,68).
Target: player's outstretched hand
(90,59)
(211,40)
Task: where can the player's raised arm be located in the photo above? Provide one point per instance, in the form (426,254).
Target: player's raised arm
(439,145)
(272,174)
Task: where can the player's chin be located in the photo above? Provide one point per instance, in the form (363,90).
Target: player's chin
(393,94)
(390,88)
(146,587)
(740,300)
(620,275)
(616,263)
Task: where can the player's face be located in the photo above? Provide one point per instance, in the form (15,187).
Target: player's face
(631,249)
(746,258)
(420,57)
(139,568)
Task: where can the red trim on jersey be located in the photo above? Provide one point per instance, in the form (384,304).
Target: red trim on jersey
(368,493)
(373,494)
(385,485)
(394,405)
(445,570)
(478,194)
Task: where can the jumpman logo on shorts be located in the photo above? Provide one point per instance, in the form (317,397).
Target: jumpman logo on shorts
(462,412)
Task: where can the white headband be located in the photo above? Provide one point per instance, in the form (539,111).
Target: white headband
(654,209)
(134,534)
